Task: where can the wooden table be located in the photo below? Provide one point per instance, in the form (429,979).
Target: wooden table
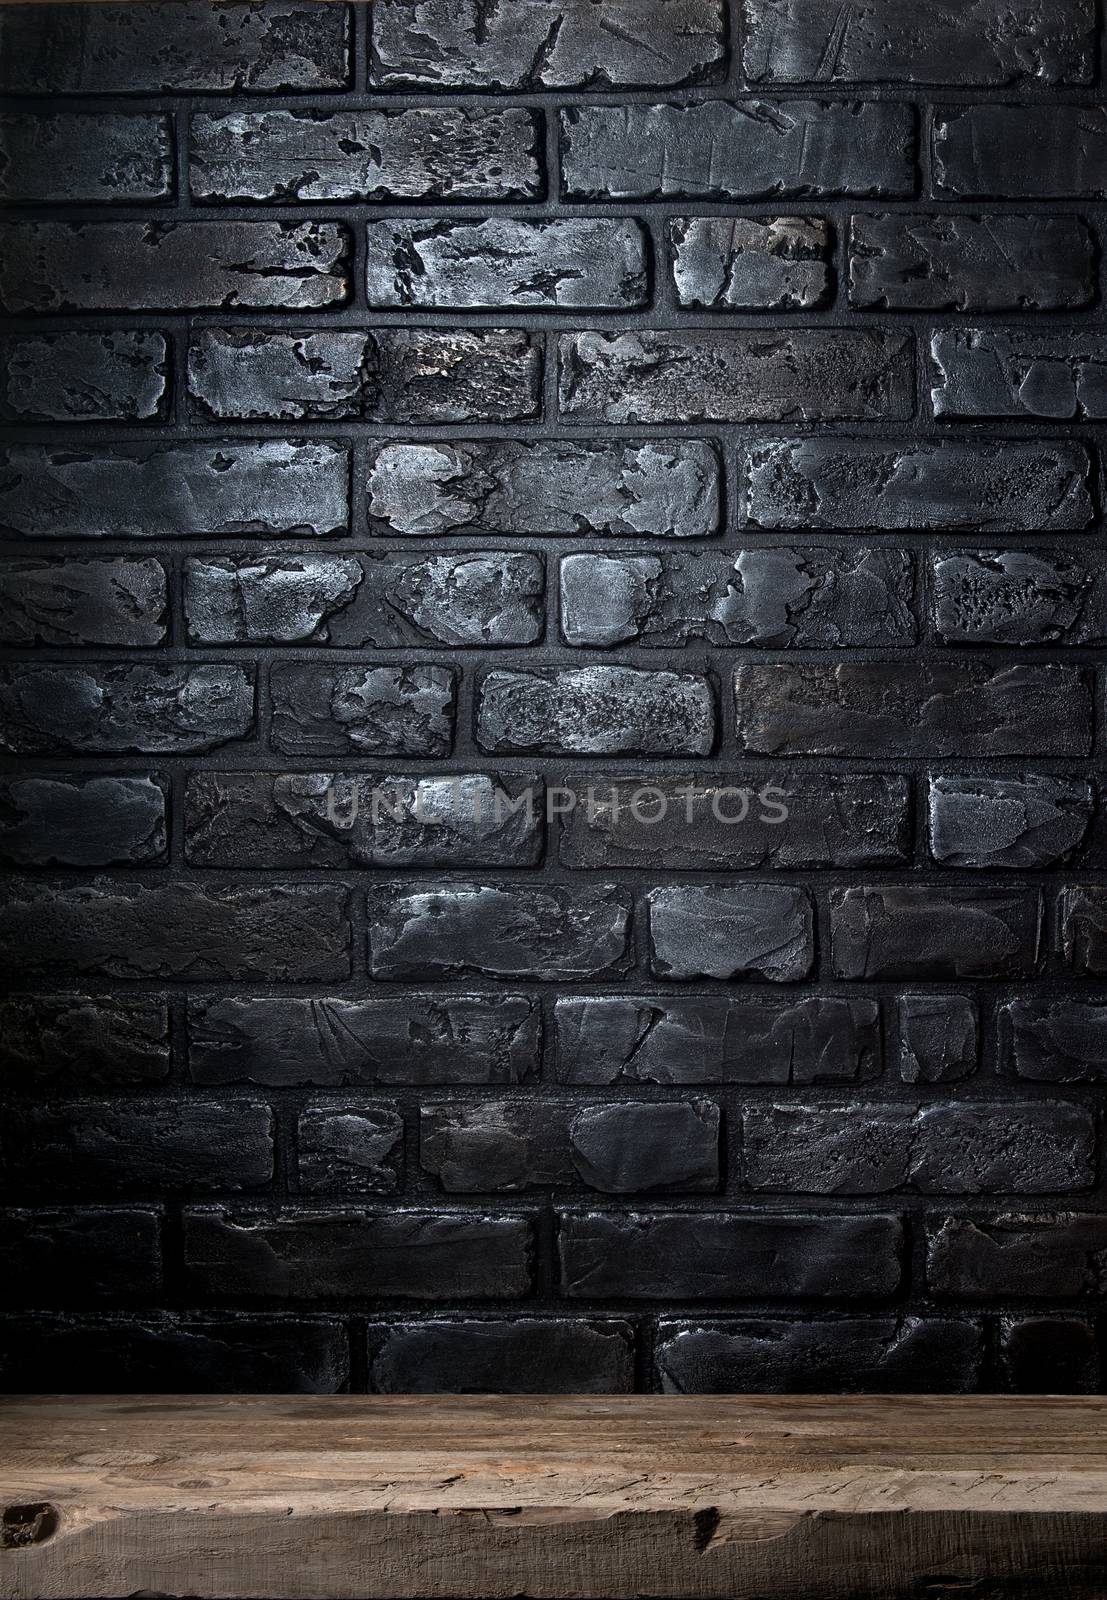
(356,1497)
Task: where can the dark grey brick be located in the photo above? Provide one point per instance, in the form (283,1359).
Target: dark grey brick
(715,1039)
(120,49)
(439,154)
(597,711)
(1035,152)
(81,1041)
(417,1039)
(116,602)
(750,263)
(500,931)
(627,1148)
(111,710)
(994,372)
(375,710)
(1019,597)
(267,599)
(82,822)
(625,488)
(1083,929)
(523,1356)
(83,377)
(103,159)
(946,261)
(937,1037)
(349,1147)
(1032,821)
(272,932)
(1054,1040)
(300,1254)
(172,266)
(915,931)
(727,1255)
(718,930)
(788,596)
(737,150)
(272,488)
(1008,1257)
(847,484)
(103,1253)
(1066,1349)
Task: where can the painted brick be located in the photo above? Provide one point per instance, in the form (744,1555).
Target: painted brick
(1028,822)
(1034,152)
(1037,1255)
(914,931)
(102,1253)
(349,1147)
(82,822)
(1018,597)
(1054,1040)
(377,710)
(992,372)
(105,709)
(83,377)
(68,159)
(116,602)
(760,930)
(750,263)
(526,1355)
(937,1037)
(82,1041)
(596,711)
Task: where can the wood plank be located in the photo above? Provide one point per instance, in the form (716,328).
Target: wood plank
(476,1498)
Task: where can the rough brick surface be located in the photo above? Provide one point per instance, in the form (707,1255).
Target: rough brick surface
(1039,152)
(84,377)
(597,711)
(116,602)
(82,822)
(750,263)
(523,1356)
(988,372)
(1017,597)
(393,711)
(69,159)
(83,1041)
(116,710)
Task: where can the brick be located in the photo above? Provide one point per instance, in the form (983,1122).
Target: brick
(937,1037)
(267,599)
(83,377)
(1054,1040)
(1064,1347)
(106,709)
(1038,1256)
(82,822)
(1019,597)
(859,1355)
(375,710)
(991,372)
(272,932)
(950,262)
(784,597)
(82,1041)
(349,1147)
(1082,911)
(761,930)
(527,1355)
(750,263)
(898,708)
(353,819)
(915,931)
(583,263)
(618,1039)
(399,375)
(414,1039)
(120,50)
(846,484)
(65,159)
(534,45)
(807,376)
(271,488)
(737,150)
(99,1147)
(439,154)
(499,931)
(116,602)
(103,1253)
(595,487)
(297,1254)
(596,711)
(172,266)
(727,1255)
(1035,152)
(1028,822)
(956,42)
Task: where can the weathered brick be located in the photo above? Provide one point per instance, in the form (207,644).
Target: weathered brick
(915,931)
(82,822)
(349,1147)
(957,42)
(899,708)
(276,933)
(500,931)
(534,45)
(271,488)
(267,599)
(1054,1040)
(596,711)
(121,49)
(376,710)
(786,596)
(716,1039)
(993,372)
(417,1039)
(727,1255)
(1065,1348)
(83,377)
(117,602)
(111,710)
(1008,1257)
(80,1041)
(1034,152)
(946,261)
(295,1254)
(750,263)
(1032,821)
(100,1253)
(439,154)
(1017,597)
(1083,929)
(524,1356)
(105,159)
(737,150)
(583,263)
(172,266)
(602,487)
(763,930)
(847,484)
(937,1037)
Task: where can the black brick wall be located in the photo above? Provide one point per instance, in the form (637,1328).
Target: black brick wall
(588,392)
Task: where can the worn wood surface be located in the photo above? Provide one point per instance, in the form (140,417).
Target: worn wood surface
(364,1497)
